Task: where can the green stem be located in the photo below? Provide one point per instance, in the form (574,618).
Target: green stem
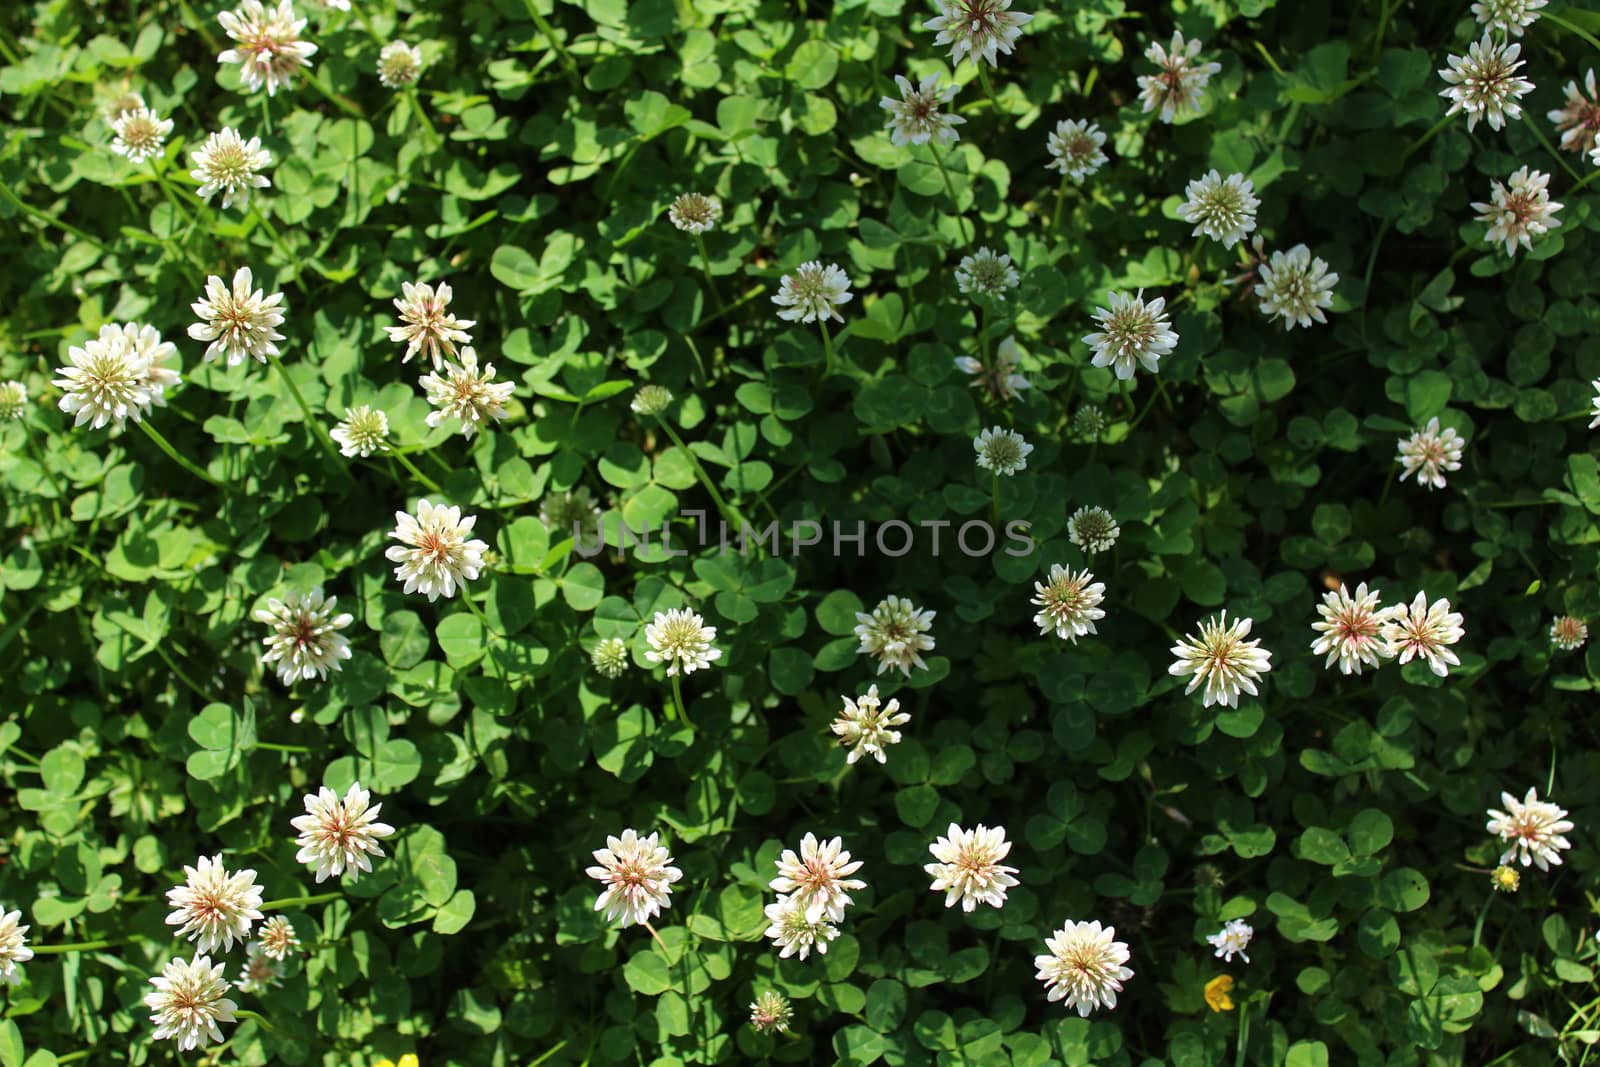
(1244,1034)
(199,24)
(244,1014)
(318,431)
(1433,132)
(727,510)
(466,598)
(705,263)
(536,1062)
(949,187)
(432,485)
(1127,395)
(181,460)
(827,349)
(76,946)
(38,455)
(300,902)
(1061,198)
(273,746)
(51,220)
(1573,29)
(994,502)
(677,700)
(417,109)
(556,46)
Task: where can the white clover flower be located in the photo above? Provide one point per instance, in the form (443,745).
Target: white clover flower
(1350,630)
(464,392)
(1519,211)
(695,212)
(277,938)
(106,380)
(434,553)
(189,1001)
(1594,408)
(651,400)
(1424,631)
(816,878)
(610,657)
(1178,86)
(305,641)
(1578,120)
(1131,331)
(918,116)
(148,346)
(13,400)
(1068,604)
(795,931)
(426,324)
(1484,83)
(1093,529)
(1568,633)
(399,65)
(213,908)
(1075,148)
(866,725)
(813,291)
(228,163)
(240,322)
(638,876)
(770,1013)
(259,972)
(1223,209)
(13,946)
(141,134)
(681,639)
(1001,450)
(1232,939)
(977,29)
(896,633)
(969,868)
(340,836)
(1000,380)
(1086,966)
(1533,828)
(1296,286)
(1509,16)
(986,273)
(1221,658)
(1089,422)
(362,432)
(267,44)
(1428,453)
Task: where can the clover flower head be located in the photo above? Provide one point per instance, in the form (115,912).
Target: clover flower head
(919,116)
(267,44)
(999,380)
(986,273)
(1428,453)
(1223,209)
(13,946)
(190,999)
(795,930)
(277,937)
(13,400)
(812,291)
(1001,450)
(1350,629)
(1085,966)
(260,971)
(895,633)
(228,164)
(1093,529)
(399,65)
(305,641)
(435,555)
(1424,631)
(816,878)
(977,29)
(1178,86)
(681,639)
(651,400)
(106,380)
(1232,940)
(141,134)
(464,391)
(866,725)
(1069,603)
(1089,422)
(1220,657)
(770,1013)
(1131,332)
(1075,148)
(362,432)
(1578,119)
(637,873)
(1533,828)
(1484,82)
(1519,210)
(695,212)
(340,835)
(1568,633)
(239,322)
(969,870)
(1296,286)
(212,907)
(426,324)
(610,657)
(1508,16)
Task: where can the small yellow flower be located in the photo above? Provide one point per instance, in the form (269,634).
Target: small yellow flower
(1217,989)
(408,1060)
(1505,879)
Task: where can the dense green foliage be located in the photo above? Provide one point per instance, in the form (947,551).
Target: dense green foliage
(1343,816)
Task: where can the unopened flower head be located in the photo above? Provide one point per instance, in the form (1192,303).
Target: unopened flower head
(362,432)
(610,657)
(13,400)
(1232,940)
(986,273)
(795,931)
(1484,82)
(229,164)
(399,65)
(572,513)
(1350,629)
(110,379)
(1089,422)
(1578,119)
(267,44)
(817,879)
(240,321)
(695,212)
(638,876)
(1519,210)
(1568,633)
(1093,529)
(681,639)
(435,553)
(1533,828)
(305,641)
(1508,16)
(1069,603)
(1296,286)
(969,870)
(1428,453)
(140,134)
(651,400)
(1000,380)
(1505,879)
(1223,209)
(121,104)
(465,392)
(1086,966)
(277,937)
(260,971)
(1001,450)
(770,1013)
(1424,631)
(13,946)
(426,324)
(1131,332)
(919,116)
(190,999)
(866,725)
(1177,87)
(812,291)
(977,29)
(1075,148)
(1220,657)
(896,634)
(340,835)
